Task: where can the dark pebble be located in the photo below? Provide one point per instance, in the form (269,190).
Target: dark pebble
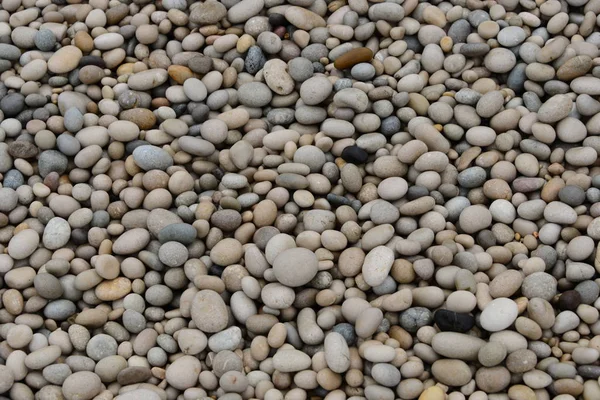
(416,192)
(459,30)
(355,155)
(182,233)
(414,44)
(131,375)
(22,149)
(318,67)
(486,239)
(342,83)
(532,101)
(452,321)
(276,19)
(569,300)
(41,113)
(35,100)
(200,113)
(255,60)
(347,331)
(131,146)
(572,195)
(216,270)
(415,318)
(589,371)
(390,125)
(79,236)
(12,104)
(92,60)
(100,219)
(337,200)
(474,49)
(517,77)
(200,64)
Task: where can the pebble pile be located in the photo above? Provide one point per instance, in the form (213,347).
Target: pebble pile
(299,200)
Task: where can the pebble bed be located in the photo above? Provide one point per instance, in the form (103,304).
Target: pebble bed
(301,200)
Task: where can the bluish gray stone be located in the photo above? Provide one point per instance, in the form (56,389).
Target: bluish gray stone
(13,179)
(101,346)
(416,317)
(314,52)
(300,69)
(347,331)
(52,161)
(477,17)
(472,177)
(73,120)
(9,52)
(150,157)
(45,40)
(12,104)
(589,291)
(572,195)
(60,310)
(459,30)
(390,125)
(363,71)
(517,77)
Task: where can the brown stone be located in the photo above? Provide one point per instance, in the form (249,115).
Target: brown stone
(22,149)
(84,41)
(574,67)
(353,57)
(90,74)
(114,15)
(131,375)
(113,290)
(179,73)
(142,117)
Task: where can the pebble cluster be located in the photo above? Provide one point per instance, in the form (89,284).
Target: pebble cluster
(299,200)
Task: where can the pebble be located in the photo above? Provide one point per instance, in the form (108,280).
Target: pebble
(152,157)
(81,385)
(64,60)
(499,314)
(251,199)
(208,311)
(295,267)
(453,321)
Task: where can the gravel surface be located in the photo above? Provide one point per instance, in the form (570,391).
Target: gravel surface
(312,199)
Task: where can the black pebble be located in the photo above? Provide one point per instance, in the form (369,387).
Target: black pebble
(92,60)
(452,321)
(277,20)
(569,300)
(416,192)
(355,155)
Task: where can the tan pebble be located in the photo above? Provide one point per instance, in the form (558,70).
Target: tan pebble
(83,41)
(180,73)
(433,393)
(64,60)
(114,289)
